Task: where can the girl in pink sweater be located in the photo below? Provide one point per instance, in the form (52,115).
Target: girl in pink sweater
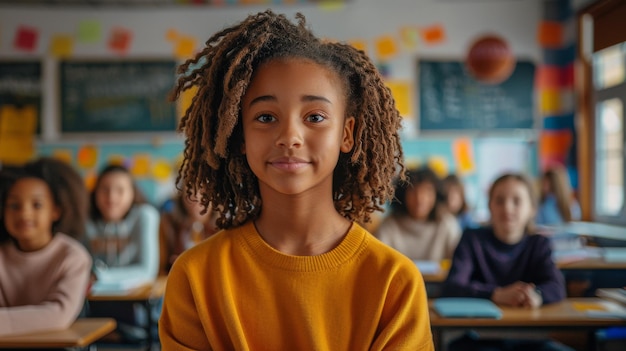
(45,272)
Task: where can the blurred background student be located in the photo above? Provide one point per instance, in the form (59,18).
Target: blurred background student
(122,237)
(507,263)
(454,193)
(44,271)
(419,224)
(557,203)
(183,226)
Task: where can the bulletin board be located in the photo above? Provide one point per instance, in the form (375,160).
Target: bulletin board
(20,86)
(450,99)
(117,96)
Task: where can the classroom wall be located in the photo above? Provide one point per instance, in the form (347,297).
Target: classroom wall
(364,21)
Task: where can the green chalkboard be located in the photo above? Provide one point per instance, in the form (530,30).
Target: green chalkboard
(450,99)
(117,96)
(20,85)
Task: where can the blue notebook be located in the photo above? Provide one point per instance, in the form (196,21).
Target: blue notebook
(466,307)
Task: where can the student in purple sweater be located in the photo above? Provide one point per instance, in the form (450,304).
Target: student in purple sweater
(506,262)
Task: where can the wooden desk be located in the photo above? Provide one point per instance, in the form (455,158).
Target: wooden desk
(591,263)
(82,333)
(143,294)
(562,315)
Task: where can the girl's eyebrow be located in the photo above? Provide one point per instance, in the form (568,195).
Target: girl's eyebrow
(304,98)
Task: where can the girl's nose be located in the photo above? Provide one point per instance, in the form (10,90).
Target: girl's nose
(290,135)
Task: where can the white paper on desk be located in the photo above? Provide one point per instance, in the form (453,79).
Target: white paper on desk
(611,310)
(428,267)
(116,287)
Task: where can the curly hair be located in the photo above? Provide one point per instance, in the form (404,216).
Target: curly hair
(67,189)
(214,166)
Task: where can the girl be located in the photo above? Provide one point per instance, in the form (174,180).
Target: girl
(292,139)
(506,262)
(557,204)
(184,226)
(44,271)
(454,193)
(122,237)
(419,224)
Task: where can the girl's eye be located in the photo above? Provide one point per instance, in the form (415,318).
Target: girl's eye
(13,206)
(315,118)
(266,118)
(37,205)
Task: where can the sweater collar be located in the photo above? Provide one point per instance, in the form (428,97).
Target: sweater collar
(352,245)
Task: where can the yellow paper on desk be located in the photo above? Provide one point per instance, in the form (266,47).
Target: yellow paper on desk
(588,306)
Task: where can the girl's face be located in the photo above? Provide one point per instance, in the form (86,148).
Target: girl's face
(455,199)
(115,195)
(420,200)
(295,127)
(511,210)
(29,213)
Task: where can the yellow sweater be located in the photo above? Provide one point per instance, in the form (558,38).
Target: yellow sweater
(235,292)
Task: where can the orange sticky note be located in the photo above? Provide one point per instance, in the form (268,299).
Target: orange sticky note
(120,39)
(90,178)
(87,156)
(463,152)
(401,92)
(141,165)
(434,34)
(358,44)
(386,47)
(185,47)
(550,34)
(61,46)
(554,142)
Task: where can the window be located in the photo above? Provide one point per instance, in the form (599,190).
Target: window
(609,91)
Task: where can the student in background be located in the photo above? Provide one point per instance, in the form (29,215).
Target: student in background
(454,193)
(182,227)
(557,203)
(506,262)
(44,271)
(293,139)
(122,237)
(419,224)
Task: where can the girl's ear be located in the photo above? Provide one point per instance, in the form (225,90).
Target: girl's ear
(56,213)
(347,141)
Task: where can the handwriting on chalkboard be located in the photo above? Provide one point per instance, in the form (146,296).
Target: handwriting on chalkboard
(450,99)
(117,96)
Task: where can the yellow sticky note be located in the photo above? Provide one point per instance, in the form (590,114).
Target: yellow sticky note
(90,178)
(62,46)
(401,92)
(16,149)
(21,121)
(463,152)
(87,156)
(64,155)
(161,171)
(185,47)
(549,101)
(588,306)
(358,44)
(439,165)
(141,165)
(386,47)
